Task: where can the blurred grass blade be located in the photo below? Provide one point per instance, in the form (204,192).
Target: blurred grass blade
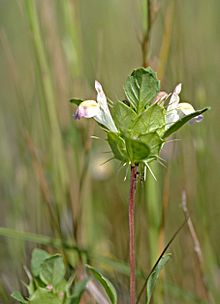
(151,282)
(181,294)
(39,238)
(106,284)
(158,260)
(48,102)
(116,265)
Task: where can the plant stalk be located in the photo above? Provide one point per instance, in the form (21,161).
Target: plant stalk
(132,233)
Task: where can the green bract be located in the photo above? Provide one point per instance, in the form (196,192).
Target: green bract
(137,127)
(141,123)
(141,88)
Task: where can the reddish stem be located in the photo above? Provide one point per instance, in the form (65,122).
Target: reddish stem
(132,232)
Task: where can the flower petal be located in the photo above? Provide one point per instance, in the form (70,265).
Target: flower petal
(186,108)
(104,116)
(101,98)
(161,96)
(199,118)
(87,109)
(178,89)
(171,118)
(174,100)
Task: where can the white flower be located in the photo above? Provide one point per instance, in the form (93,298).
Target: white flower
(176,110)
(98,110)
(87,109)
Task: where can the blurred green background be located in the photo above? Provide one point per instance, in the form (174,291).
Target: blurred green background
(52,181)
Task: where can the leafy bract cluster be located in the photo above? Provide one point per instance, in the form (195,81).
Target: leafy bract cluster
(140,124)
(137,127)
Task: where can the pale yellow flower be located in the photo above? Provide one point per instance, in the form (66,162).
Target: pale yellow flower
(98,110)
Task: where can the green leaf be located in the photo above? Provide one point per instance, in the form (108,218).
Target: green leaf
(124,117)
(76,101)
(107,285)
(61,286)
(18,297)
(38,257)
(154,276)
(117,145)
(52,270)
(154,142)
(44,296)
(177,125)
(141,88)
(137,150)
(30,287)
(151,120)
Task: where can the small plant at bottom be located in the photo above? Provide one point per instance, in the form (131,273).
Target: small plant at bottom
(47,283)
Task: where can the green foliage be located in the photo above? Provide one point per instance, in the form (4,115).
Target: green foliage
(118,146)
(52,270)
(155,275)
(145,147)
(47,283)
(107,285)
(154,142)
(124,117)
(142,125)
(38,257)
(140,134)
(18,297)
(141,87)
(137,128)
(150,120)
(43,296)
(137,150)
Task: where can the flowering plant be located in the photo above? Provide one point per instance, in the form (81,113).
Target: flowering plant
(136,130)
(138,127)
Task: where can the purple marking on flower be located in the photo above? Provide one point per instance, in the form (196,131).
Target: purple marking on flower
(196,119)
(199,118)
(80,112)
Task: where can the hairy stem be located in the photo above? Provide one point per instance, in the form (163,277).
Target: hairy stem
(132,232)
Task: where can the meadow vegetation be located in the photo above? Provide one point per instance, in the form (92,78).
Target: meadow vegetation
(56,193)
